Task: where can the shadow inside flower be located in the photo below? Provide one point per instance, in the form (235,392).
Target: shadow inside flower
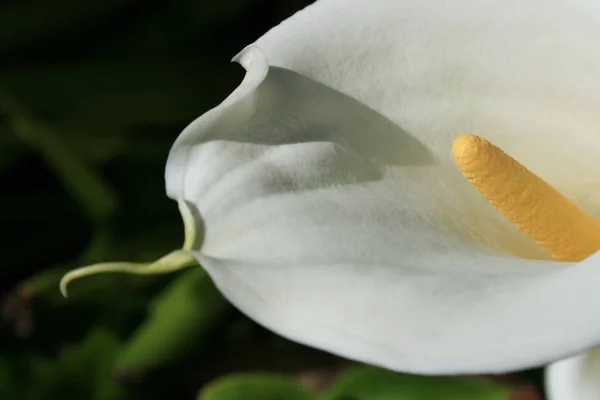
(288,108)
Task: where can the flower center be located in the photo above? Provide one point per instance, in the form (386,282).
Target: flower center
(555,223)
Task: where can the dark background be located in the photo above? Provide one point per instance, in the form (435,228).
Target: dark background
(92,96)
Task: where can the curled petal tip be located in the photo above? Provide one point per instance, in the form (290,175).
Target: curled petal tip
(250,54)
(244,54)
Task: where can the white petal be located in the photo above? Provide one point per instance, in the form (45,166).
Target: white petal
(522,73)
(576,378)
(348,228)
(408,318)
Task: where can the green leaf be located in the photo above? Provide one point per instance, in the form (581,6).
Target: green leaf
(95,196)
(83,372)
(369,383)
(183,314)
(93,143)
(255,387)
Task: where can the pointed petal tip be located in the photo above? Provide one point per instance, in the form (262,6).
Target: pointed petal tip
(237,58)
(248,55)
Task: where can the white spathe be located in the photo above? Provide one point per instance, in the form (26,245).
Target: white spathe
(331,211)
(576,378)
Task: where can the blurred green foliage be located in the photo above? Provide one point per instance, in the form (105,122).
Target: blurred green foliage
(375,384)
(356,383)
(256,386)
(92,95)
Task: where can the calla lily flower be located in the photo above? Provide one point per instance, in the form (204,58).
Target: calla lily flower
(323,198)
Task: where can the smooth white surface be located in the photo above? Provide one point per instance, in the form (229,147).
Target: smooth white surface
(576,378)
(332,212)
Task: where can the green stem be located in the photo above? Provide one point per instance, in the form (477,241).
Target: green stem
(174,261)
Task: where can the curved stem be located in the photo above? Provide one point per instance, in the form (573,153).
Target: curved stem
(174,261)
(189,225)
